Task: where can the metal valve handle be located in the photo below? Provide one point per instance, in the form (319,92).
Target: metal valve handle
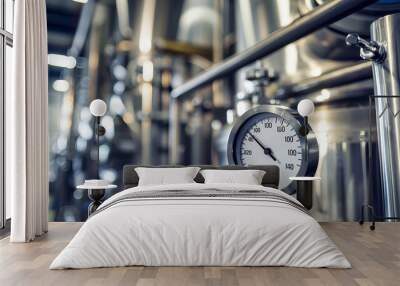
(369,50)
(261,74)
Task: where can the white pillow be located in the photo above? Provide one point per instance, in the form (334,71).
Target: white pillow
(164,176)
(248,177)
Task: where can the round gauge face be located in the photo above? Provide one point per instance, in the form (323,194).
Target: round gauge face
(271,139)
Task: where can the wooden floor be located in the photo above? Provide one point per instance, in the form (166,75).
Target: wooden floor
(375,257)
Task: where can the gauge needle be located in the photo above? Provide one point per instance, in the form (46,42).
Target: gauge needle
(267,151)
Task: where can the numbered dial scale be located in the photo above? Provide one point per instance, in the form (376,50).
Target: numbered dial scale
(270,135)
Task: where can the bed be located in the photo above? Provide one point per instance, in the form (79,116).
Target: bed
(198,224)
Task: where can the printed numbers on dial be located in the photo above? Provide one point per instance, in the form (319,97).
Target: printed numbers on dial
(272,141)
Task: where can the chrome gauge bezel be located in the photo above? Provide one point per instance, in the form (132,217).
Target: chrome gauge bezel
(307,168)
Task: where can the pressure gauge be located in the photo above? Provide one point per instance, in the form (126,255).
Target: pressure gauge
(271,135)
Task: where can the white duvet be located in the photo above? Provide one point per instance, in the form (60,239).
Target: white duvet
(200,231)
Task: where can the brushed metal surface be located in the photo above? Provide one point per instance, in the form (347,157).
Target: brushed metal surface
(386,83)
(342,135)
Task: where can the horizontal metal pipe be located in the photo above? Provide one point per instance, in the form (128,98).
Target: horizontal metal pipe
(181,48)
(322,16)
(334,78)
(347,92)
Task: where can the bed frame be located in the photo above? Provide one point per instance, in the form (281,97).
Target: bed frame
(271,179)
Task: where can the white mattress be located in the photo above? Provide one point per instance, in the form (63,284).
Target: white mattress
(202,231)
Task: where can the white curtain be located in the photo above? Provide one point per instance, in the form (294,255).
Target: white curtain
(26,124)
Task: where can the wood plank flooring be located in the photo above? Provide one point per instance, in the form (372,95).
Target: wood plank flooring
(375,257)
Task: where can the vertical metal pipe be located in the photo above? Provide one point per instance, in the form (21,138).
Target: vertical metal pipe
(147,125)
(174,131)
(387,102)
(218,51)
(145,56)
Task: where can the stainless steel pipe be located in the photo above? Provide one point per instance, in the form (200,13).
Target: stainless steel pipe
(334,78)
(385,31)
(174,156)
(322,16)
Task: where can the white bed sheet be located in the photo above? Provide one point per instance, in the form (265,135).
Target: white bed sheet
(200,231)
